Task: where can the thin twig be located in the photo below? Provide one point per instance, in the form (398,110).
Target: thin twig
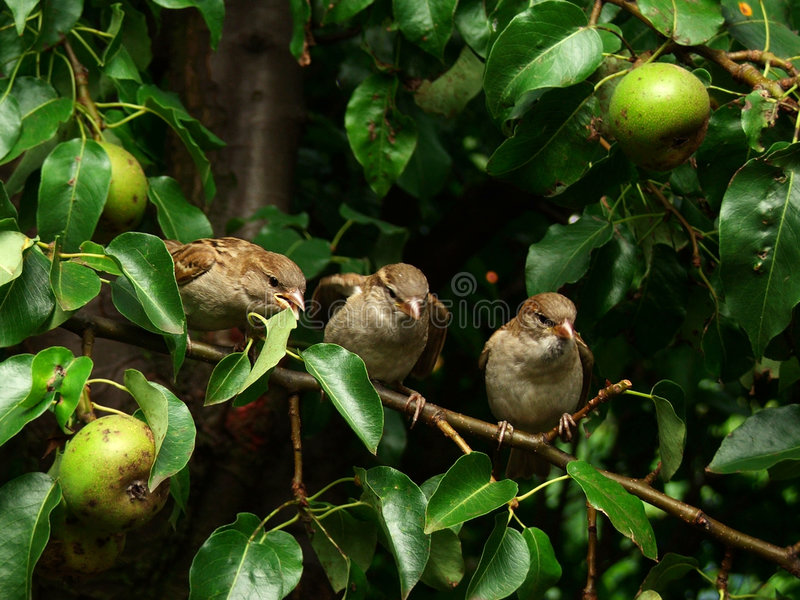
(82,85)
(684,223)
(595,14)
(451,433)
(722,576)
(298,487)
(590,590)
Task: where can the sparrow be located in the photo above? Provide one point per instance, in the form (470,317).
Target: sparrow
(221,280)
(537,371)
(390,319)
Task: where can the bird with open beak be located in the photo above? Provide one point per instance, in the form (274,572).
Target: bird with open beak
(389,318)
(538,371)
(221,280)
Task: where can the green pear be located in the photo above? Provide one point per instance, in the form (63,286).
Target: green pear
(75,549)
(104,473)
(127,194)
(659,115)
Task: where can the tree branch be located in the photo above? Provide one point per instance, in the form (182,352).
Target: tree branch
(430,414)
(745,73)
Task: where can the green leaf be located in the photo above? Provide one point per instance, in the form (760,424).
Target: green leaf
(277,219)
(58,17)
(25,506)
(12,246)
(503,564)
(723,151)
(688,23)
(544,571)
(290,557)
(123,295)
(285,548)
(624,510)
(671,567)
(231,565)
(42,111)
(301,20)
(400,507)
(47,372)
(10,124)
(344,379)
(426,23)
(609,279)
(449,93)
(179,485)
(213,12)
(177,344)
(227,378)
(338,11)
(148,266)
(445,567)
(73,285)
(549,150)
(759,238)
(154,404)
(549,45)
(759,112)
(15,412)
(7,210)
(178,219)
(768,437)
(382,138)
(351,214)
(179,439)
(474,25)
(194,136)
(121,66)
(430,166)
(279,327)
(27,301)
(76,373)
(312,256)
(72,192)
(102,263)
(339,540)
(21,9)
(467,491)
(671,427)
(114,20)
(562,256)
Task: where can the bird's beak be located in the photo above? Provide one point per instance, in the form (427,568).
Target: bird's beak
(292,299)
(412,308)
(564,330)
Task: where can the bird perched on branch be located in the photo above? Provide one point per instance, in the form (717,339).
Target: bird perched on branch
(537,371)
(221,280)
(389,318)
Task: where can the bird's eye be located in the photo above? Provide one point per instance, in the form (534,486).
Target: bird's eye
(273,281)
(392,293)
(544,320)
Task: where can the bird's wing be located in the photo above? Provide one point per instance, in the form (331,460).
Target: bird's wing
(438,320)
(191,260)
(487,347)
(587,363)
(332,292)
